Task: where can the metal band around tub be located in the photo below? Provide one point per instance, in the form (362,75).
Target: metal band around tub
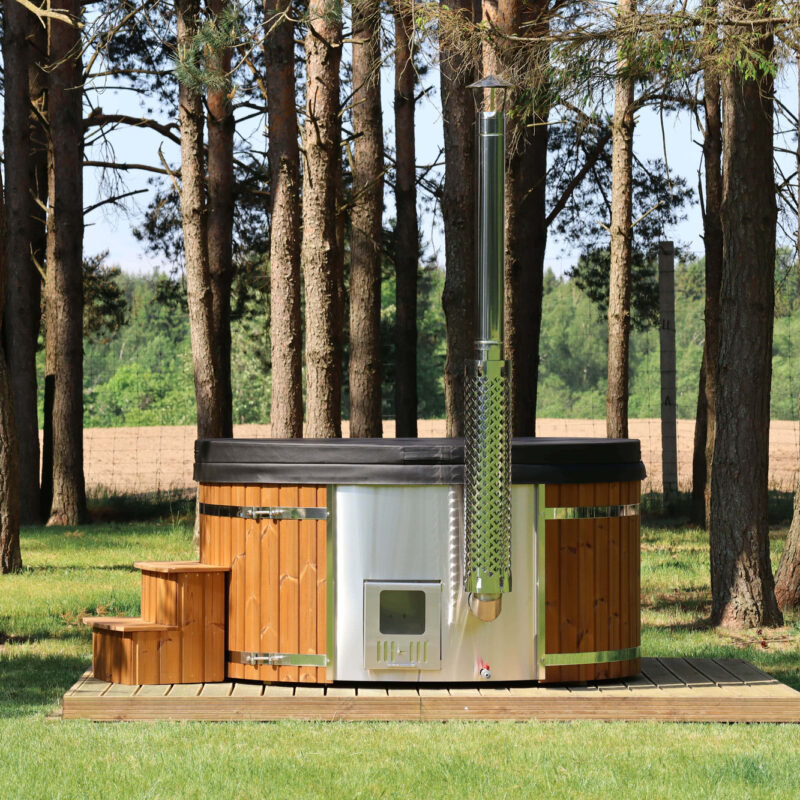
(278,659)
(591,512)
(263,512)
(596,657)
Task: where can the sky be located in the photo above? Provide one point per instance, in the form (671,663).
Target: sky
(111,227)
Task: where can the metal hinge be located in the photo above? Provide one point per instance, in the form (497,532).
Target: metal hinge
(279,659)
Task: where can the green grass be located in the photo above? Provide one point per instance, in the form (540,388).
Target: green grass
(69,572)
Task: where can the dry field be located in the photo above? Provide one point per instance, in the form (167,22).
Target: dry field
(136,460)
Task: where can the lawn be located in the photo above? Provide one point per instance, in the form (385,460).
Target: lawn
(69,572)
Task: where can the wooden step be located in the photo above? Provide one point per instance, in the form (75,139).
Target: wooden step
(126,624)
(180,635)
(175,567)
(128,657)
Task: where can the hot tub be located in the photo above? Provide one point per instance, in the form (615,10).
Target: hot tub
(346,560)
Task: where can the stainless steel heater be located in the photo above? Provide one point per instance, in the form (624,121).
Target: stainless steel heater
(487,423)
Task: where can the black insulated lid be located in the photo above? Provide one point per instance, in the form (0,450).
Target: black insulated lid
(409,461)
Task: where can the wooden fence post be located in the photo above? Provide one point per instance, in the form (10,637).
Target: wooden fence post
(669,429)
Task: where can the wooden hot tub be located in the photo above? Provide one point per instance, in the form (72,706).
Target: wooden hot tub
(342,560)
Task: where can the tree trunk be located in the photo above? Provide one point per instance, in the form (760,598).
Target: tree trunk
(23,312)
(458,213)
(742,585)
(10,555)
(787,578)
(619,292)
(221,126)
(286,335)
(320,254)
(526,241)
(406,250)
(367,223)
(64,303)
(194,221)
(526,210)
(712,237)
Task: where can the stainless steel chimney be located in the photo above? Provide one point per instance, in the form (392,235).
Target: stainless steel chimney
(487,424)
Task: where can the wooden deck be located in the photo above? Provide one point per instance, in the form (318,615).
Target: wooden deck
(669,689)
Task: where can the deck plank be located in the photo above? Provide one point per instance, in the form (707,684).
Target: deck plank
(753,676)
(463,691)
(247,690)
(698,690)
(660,675)
(91,687)
(692,677)
(185,690)
(278,690)
(309,691)
(153,690)
(223,689)
(121,690)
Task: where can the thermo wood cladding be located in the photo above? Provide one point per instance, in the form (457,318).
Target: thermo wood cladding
(261,587)
(278,573)
(592,587)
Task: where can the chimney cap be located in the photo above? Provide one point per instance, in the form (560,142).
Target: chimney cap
(490,82)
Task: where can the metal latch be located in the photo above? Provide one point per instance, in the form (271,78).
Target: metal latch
(263,512)
(254,512)
(279,659)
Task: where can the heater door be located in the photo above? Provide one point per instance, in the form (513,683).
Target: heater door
(402,624)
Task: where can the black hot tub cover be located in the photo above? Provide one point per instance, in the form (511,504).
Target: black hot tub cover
(408,461)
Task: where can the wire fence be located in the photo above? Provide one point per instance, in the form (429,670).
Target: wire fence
(157,459)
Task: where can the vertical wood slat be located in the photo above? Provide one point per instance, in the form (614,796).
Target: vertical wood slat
(614,533)
(252,579)
(288,533)
(167,600)
(144,600)
(202,523)
(270,585)
(169,643)
(169,656)
(322,584)
(569,579)
(307,584)
(635,550)
(223,551)
(586,585)
(552,587)
(111,651)
(625,556)
(125,666)
(601,616)
(146,658)
(192,608)
(236,583)
(214,522)
(214,627)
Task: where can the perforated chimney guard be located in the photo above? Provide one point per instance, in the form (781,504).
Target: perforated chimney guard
(487,417)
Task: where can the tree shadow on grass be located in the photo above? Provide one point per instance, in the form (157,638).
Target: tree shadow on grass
(693,626)
(33,683)
(82,568)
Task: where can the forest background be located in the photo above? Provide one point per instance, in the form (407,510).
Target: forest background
(138,359)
